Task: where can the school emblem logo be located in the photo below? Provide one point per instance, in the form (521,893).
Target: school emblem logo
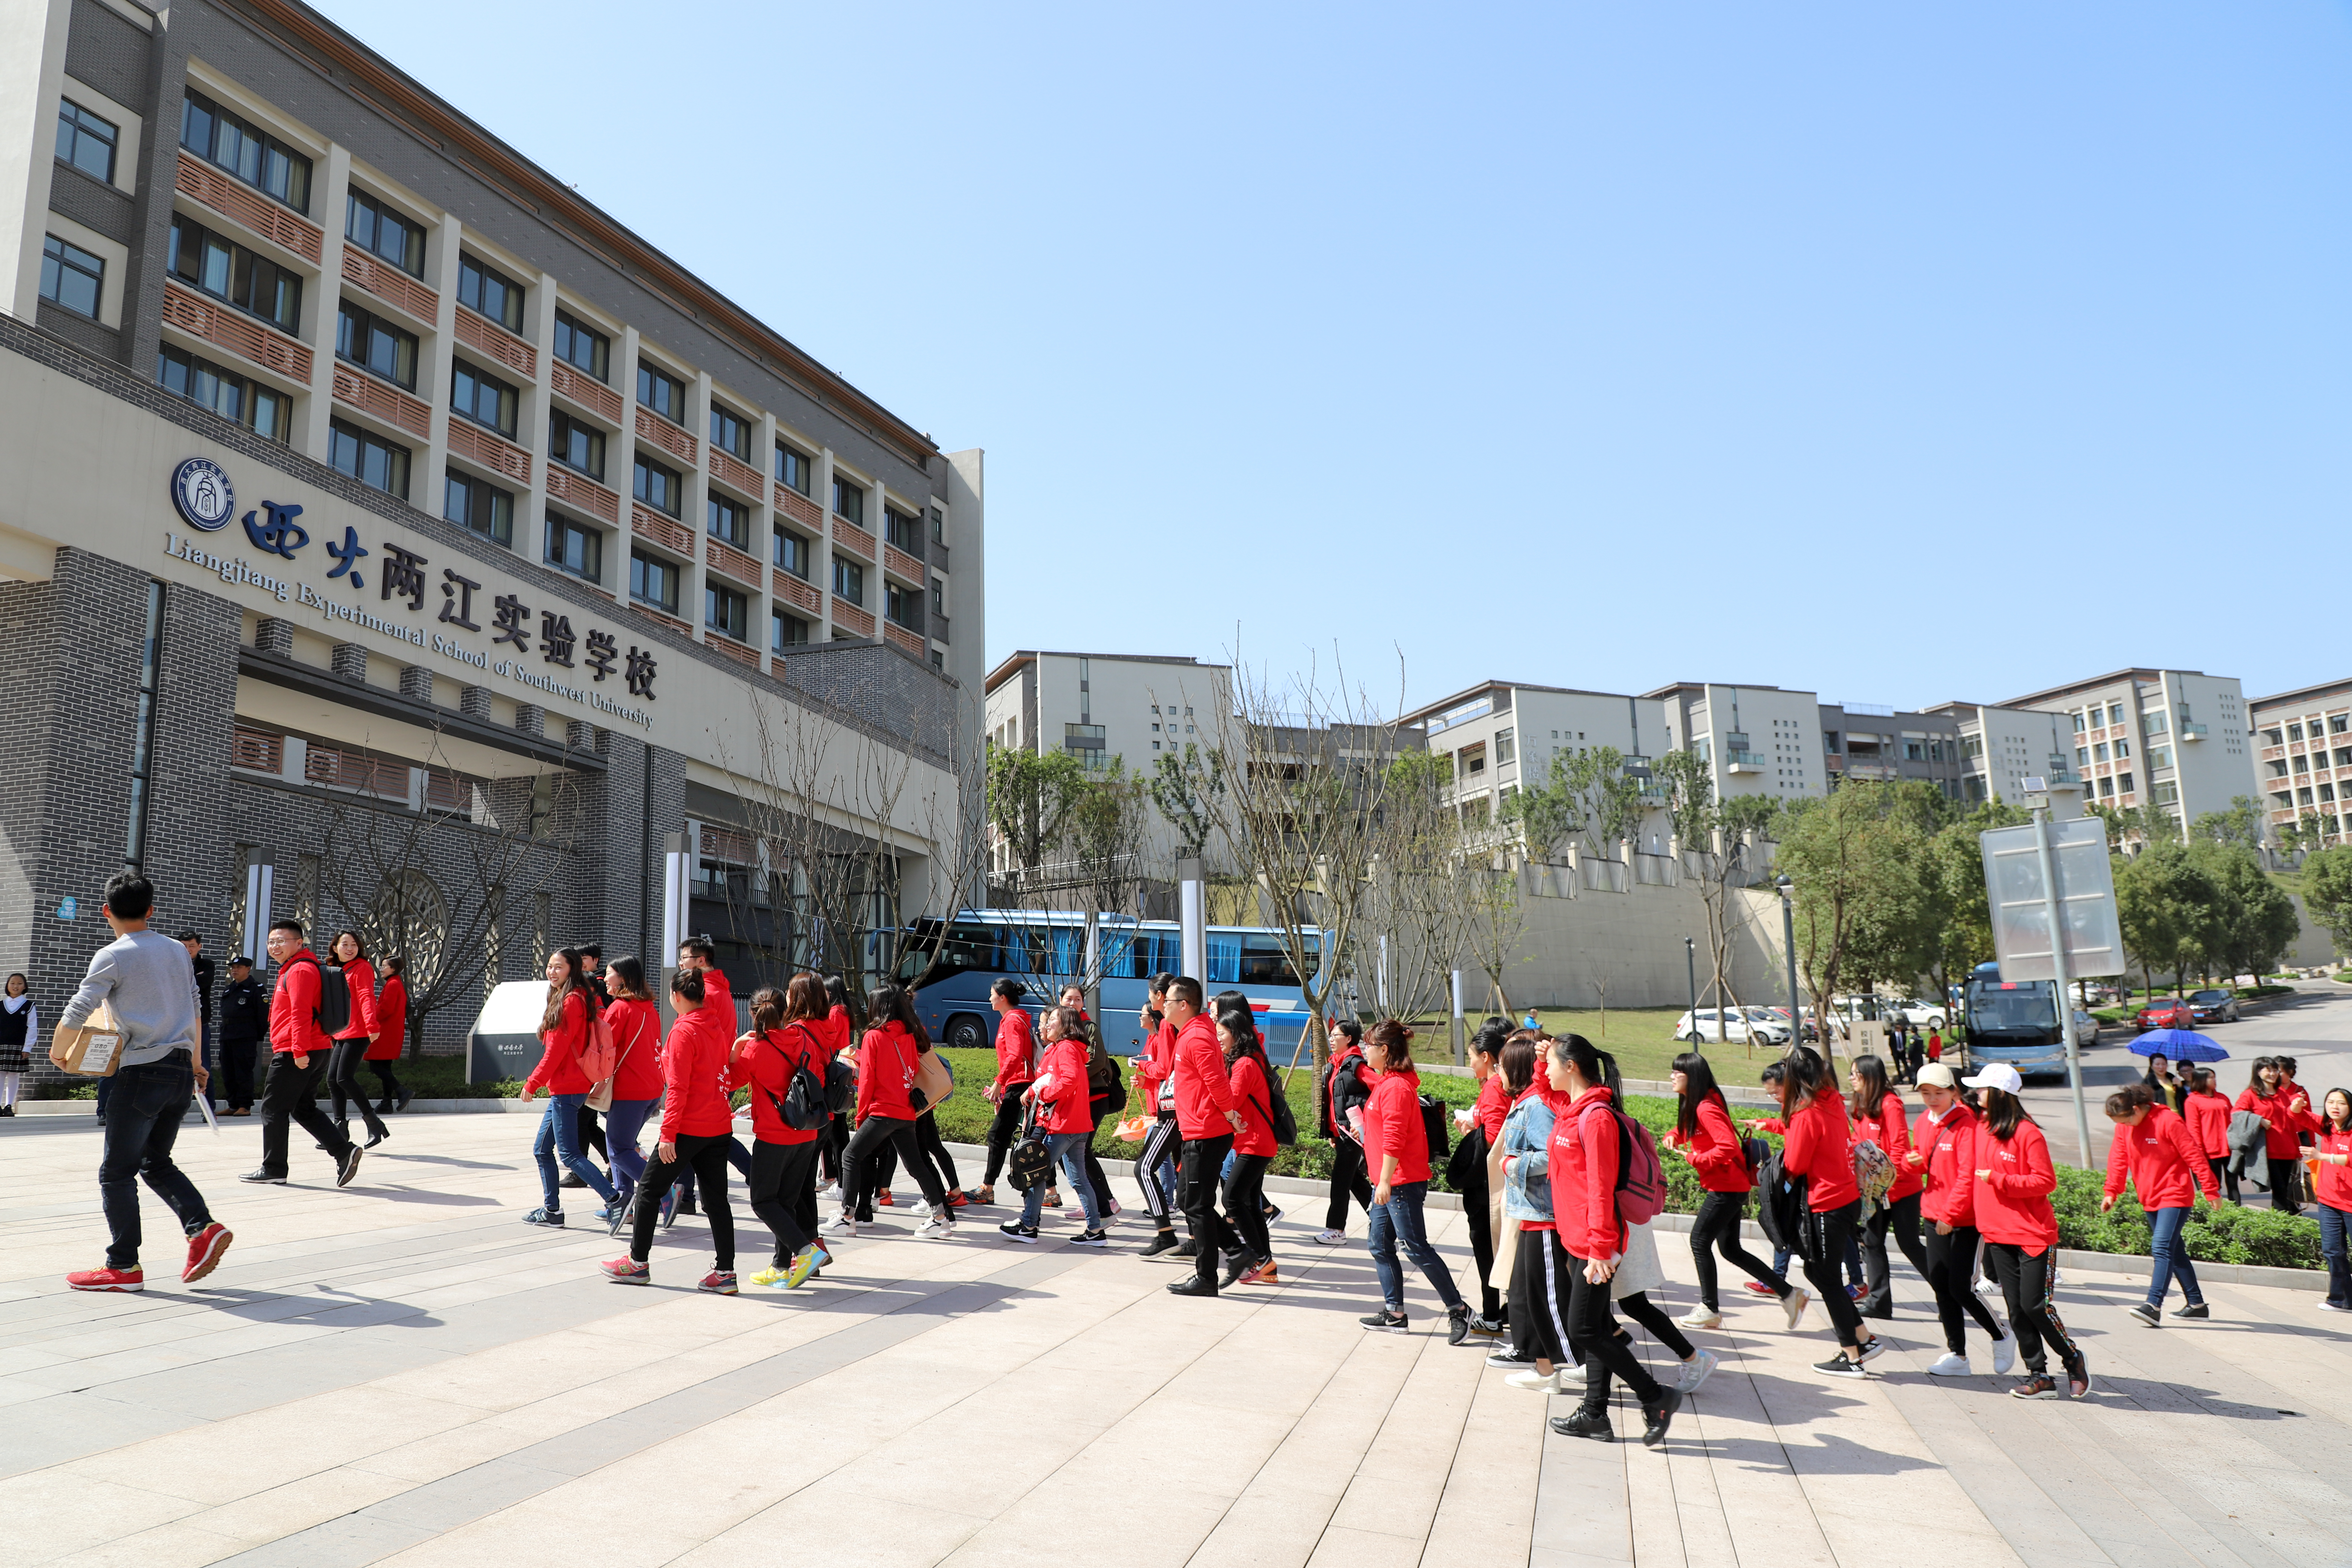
(201,494)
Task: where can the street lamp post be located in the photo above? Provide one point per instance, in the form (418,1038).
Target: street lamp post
(1789,944)
(1690,967)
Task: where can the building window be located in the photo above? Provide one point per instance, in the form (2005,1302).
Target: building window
(1507,747)
(582,347)
(85,141)
(368,457)
(479,507)
(904,606)
(229,271)
(792,553)
(379,230)
(786,631)
(260,409)
(725,611)
(71,276)
(574,549)
(793,470)
(574,445)
(486,292)
(938,527)
(661,393)
(653,580)
(849,580)
(849,501)
(484,399)
(730,434)
(227,142)
(902,531)
(2079,724)
(2124,783)
(729,520)
(2159,756)
(659,487)
(369,341)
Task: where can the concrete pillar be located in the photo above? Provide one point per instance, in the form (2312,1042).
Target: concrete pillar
(318,304)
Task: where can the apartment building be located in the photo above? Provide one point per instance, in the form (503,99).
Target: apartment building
(1503,735)
(1756,740)
(2000,748)
(1864,741)
(2303,764)
(353,456)
(2174,741)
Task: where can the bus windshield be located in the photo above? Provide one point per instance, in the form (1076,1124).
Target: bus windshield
(2022,1007)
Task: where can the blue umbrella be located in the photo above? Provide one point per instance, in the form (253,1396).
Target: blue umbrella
(2179,1045)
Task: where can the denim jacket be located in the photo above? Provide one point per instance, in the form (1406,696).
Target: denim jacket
(1527,1135)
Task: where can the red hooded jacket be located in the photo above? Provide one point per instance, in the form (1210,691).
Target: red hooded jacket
(1393,1125)
(2333,1187)
(1819,1146)
(1205,1092)
(694,1071)
(636,1035)
(558,1071)
(1060,1091)
(886,1070)
(2207,1116)
(1950,1146)
(294,1008)
(391,1021)
(1493,1104)
(359,979)
(765,1066)
(1890,1129)
(2013,1201)
(1254,1098)
(2161,1159)
(1714,1150)
(2280,1141)
(1586,1150)
(1016,1050)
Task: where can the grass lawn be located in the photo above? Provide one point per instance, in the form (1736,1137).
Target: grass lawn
(1640,1038)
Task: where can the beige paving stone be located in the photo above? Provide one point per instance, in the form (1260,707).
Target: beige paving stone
(51,1513)
(264,1516)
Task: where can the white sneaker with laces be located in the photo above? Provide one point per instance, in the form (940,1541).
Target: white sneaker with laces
(938,1227)
(2004,1354)
(840,1224)
(1331,1238)
(1534,1382)
(1696,1371)
(832,1193)
(1700,1318)
(1951,1364)
(1988,1285)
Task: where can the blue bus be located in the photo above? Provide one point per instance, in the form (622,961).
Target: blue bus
(952,963)
(2015,1021)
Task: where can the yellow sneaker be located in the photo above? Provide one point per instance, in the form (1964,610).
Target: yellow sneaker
(770,1278)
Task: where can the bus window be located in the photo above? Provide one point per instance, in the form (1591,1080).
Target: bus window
(1263,962)
(1225,958)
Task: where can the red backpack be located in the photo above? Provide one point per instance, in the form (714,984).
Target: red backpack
(1641,1177)
(600,1055)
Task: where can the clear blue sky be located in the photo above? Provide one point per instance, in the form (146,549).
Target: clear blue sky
(1900,352)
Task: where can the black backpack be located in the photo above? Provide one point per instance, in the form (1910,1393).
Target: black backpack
(333,1012)
(1028,1162)
(1782,1206)
(1433,1121)
(1278,1114)
(1103,1081)
(812,1099)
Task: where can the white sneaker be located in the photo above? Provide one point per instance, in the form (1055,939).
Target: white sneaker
(1988,1285)
(832,1193)
(1794,1304)
(840,1224)
(1696,1371)
(1700,1318)
(1534,1382)
(1331,1238)
(2004,1353)
(1951,1364)
(938,1227)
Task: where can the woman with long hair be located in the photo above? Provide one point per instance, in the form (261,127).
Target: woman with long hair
(2162,1087)
(782,1040)
(635,1021)
(1396,1151)
(1703,1132)
(1535,1353)
(1057,1098)
(1252,1076)
(697,1128)
(1106,1097)
(1482,1127)
(1818,1147)
(1943,1156)
(2014,1179)
(392,1037)
(886,1060)
(2286,1111)
(839,1040)
(2331,1153)
(349,954)
(1880,1118)
(563,1037)
(2206,1110)
(2155,1151)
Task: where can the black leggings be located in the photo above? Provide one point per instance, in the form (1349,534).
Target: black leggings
(1246,1204)
(1348,1181)
(1902,1218)
(928,1145)
(1837,1235)
(1717,1229)
(779,1173)
(1952,1267)
(343,1084)
(1532,1333)
(2025,1284)
(2225,1174)
(1482,1246)
(384,1080)
(1645,1311)
(857,1159)
(1581,1319)
(1002,1127)
(707,1158)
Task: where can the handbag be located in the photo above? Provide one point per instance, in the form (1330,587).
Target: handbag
(1029,1163)
(1465,1168)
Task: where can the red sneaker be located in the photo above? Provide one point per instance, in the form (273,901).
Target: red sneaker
(718,1283)
(205,1249)
(884,1198)
(131,1279)
(627,1272)
(957,1200)
(1261,1274)
(1760,1289)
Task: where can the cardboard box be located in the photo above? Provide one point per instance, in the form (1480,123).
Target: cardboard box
(92,1048)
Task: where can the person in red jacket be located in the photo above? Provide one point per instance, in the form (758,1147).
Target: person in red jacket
(2154,1149)
(1345,1090)
(886,1062)
(302,1049)
(1155,1166)
(2273,1097)
(1017,1065)
(1481,1126)
(2206,1110)
(695,1129)
(1060,1099)
(2014,1179)
(1396,1149)
(1943,1156)
(840,1038)
(1818,1147)
(348,953)
(784,1039)
(1252,1076)
(391,1036)
(1208,1120)
(635,1023)
(1880,1118)
(2331,1151)
(1587,1243)
(564,1034)
(1702,1131)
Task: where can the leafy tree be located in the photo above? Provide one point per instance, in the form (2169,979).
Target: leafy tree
(1030,794)
(2327,893)
(2241,823)
(1715,838)
(1585,793)
(1858,861)
(2252,921)
(1184,787)
(2165,904)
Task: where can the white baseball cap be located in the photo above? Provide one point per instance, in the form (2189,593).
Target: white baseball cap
(1996,1075)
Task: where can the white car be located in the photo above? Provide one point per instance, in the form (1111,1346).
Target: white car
(1716,1025)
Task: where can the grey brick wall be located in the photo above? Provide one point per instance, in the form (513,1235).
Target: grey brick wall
(107,51)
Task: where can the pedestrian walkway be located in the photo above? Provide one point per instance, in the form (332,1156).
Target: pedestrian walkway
(402,1373)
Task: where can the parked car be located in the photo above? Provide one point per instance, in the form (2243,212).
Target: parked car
(1718,1025)
(2164,1013)
(2086,1028)
(2213,1006)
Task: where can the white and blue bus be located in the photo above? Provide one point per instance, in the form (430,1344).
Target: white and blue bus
(2014,1021)
(958,960)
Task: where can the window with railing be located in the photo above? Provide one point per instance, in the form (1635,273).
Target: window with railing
(478,507)
(786,631)
(368,457)
(574,548)
(263,410)
(652,582)
(793,470)
(582,346)
(731,433)
(725,611)
(229,272)
(486,292)
(658,487)
(574,445)
(792,553)
(483,398)
(661,392)
(728,520)
(849,580)
(376,345)
(903,606)
(230,143)
(382,230)
(906,532)
(849,499)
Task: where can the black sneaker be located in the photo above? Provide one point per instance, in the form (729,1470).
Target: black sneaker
(1188,1248)
(571,1180)
(2147,1314)
(349,1166)
(1091,1238)
(2078,1377)
(1191,1285)
(1236,1265)
(1164,1242)
(2038,1387)
(1591,1424)
(1840,1365)
(1656,1418)
(1457,1325)
(2195,1310)
(1014,1230)
(1485,1328)
(1510,1360)
(1385,1321)
(263,1178)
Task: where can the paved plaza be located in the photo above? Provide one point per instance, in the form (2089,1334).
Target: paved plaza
(402,1373)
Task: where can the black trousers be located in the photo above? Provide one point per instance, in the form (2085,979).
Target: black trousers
(1902,1218)
(2032,1312)
(293,1097)
(1212,1233)
(1646,1312)
(1002,1128)
(707,1158)
(592,1134)
(1951,1275)
(1348,1181)
(1532,1329)
(1100,1106)
(858,1183)
(928,1144)
(1246,1204)
(779,1173)
(1482,1249)
(1837,1229)
(1581,1319)
(2287,1185)
(1716,1229)
(836,1139)
(1161,1146)
(343,1084)
(386,1080)
(2225,1175)
(237,1060)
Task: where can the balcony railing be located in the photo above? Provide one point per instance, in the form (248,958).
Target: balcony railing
(566,381)
(741,653)
(249,207)
(789,590)
(2192,732)
(731,563)
(393,286)
(793,504)
(900,637)
(485,336)
(665,531)
(677,443)
(736,476)
(235,331)
(847,533)
(900,564)
(845,614)
(579,491)
(357,389)
(470,441)
(672,622)
(1743,762)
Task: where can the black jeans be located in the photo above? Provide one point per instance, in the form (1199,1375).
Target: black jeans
(1837,1230)
(1950,1271)
(1902,1218)
(1002,1128)
(1580,1319)
(2225,1175)
(858,1183)
(237,1060)
(1645,1311)
(1246,1204)
(142,1123)
(387,1082)
(779,1172)
(1348,1181)
(343,1084)
(2287,1185)
(1716,1229)
(293,1097)
(1532,1331)
(707,1158)
(1481,1247)
(1212,1233)
(2032,1312)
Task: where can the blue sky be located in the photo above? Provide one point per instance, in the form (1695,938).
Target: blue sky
(1897,352)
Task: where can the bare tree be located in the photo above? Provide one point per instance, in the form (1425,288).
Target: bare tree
(1717,840)
(1491,897)
(1419,900)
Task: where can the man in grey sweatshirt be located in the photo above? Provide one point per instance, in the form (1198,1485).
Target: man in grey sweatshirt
(148,981)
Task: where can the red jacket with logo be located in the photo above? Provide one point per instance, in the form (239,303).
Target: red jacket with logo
(694,1072)
(1714,1150)
(558,1071)
(359,979)
(1254,1098)
(2163,1161)
(2013,1201)
(1393,1125)
(1016,1050)
(1493,1104)
(2333,1187)
(1060,1091)
(2207,1116)
(294,1008)
(765,1066)
(1205,1092)
(2280,1141)
(1819,1146)
(886,1070)
(636,1037)
(1950,1194)
(391,1021)
(1586,1150)
(1890,1129)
